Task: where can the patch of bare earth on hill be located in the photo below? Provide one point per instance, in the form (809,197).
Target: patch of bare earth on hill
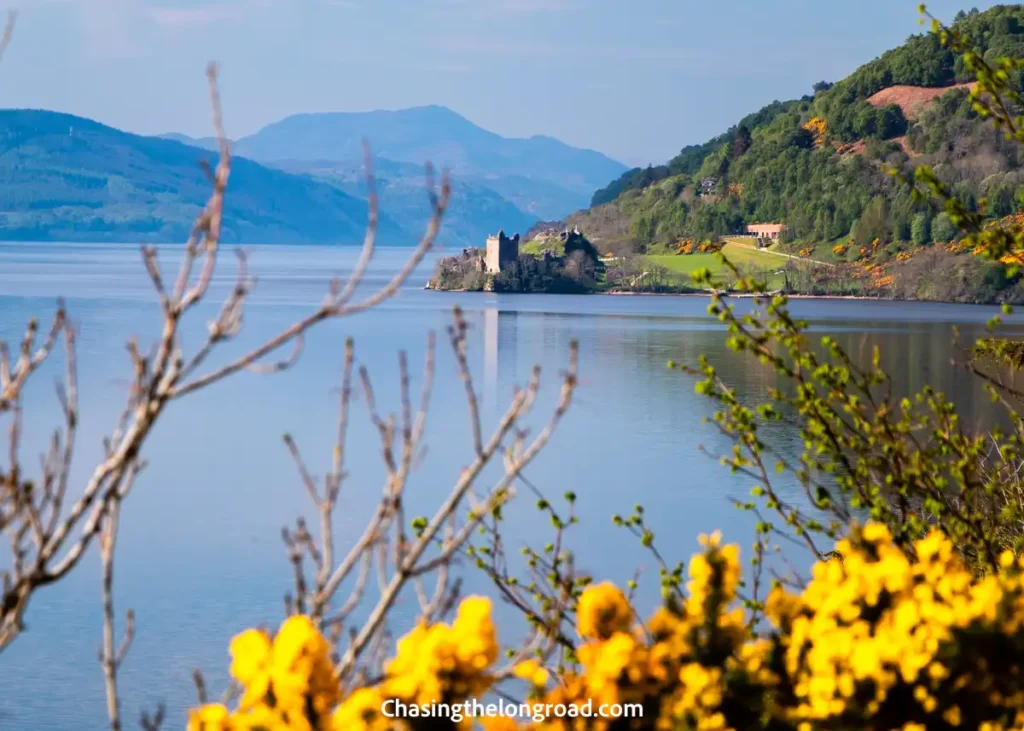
(852,148)
(913,100)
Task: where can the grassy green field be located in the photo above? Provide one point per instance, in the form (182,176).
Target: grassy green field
(751,260)
(535,247)
(819,250)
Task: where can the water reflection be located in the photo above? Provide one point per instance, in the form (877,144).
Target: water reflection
(500,337)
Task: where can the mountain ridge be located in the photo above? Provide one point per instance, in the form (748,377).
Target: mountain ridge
(445,138)
(72,178)
(65,177)
(500,182)
(391,128)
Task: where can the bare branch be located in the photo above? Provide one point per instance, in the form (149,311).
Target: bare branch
(111,658)
(300,464)
(152,264)
(5,40)
(410,567)
(332,308)
(372,220)
(200,684)
(154,722)
(457,334)
(13,378)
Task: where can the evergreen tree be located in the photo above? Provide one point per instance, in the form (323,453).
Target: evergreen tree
(921,229)
(741,141)
(943,230)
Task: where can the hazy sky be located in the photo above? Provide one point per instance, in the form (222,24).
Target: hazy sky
(636,79)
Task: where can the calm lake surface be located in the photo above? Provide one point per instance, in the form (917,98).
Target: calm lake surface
(199,555)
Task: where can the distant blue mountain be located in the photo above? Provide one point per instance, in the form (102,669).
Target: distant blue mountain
(64,177)
(499,183)
(474,211)
(206,143)
(431,133)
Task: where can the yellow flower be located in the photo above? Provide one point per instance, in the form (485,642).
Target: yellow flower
(602,611)
(532,672)
(952,716)
(605,663)
(250,664)
(301,668)
(361,711)
(262,717)
(876,533)
(211,717)
(782,607)
(701,689)
(474,633)
(442,663)
(713,573)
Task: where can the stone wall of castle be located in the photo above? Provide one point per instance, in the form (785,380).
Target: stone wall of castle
(501,251)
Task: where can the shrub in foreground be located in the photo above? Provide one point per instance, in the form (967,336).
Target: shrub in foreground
(878,639)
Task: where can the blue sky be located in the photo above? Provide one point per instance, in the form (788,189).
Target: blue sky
(636,79)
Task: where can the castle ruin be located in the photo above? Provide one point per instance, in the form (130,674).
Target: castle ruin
(501,251)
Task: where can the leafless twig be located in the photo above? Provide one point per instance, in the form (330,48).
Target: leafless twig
(436,542)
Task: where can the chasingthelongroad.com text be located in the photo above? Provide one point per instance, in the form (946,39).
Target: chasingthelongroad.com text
(536,712)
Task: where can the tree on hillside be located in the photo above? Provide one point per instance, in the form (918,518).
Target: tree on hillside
(822,86)
(865,124)
(921,229)
(943,229)
(582,269)
(1002,200)
(741,141)
(800,138)
(890,122)
(873,223)
(578,243)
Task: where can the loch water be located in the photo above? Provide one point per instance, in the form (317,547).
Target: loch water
(200,556)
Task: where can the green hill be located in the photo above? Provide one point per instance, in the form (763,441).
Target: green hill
(68,178)
(905,108)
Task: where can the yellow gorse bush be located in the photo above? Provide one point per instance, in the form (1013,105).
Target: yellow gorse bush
(817,126)
(442,663)
(289,681)
(876,640)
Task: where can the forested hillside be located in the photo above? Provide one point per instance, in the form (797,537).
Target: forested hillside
(819,163)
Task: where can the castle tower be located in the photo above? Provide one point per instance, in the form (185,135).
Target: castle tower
(501,251)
